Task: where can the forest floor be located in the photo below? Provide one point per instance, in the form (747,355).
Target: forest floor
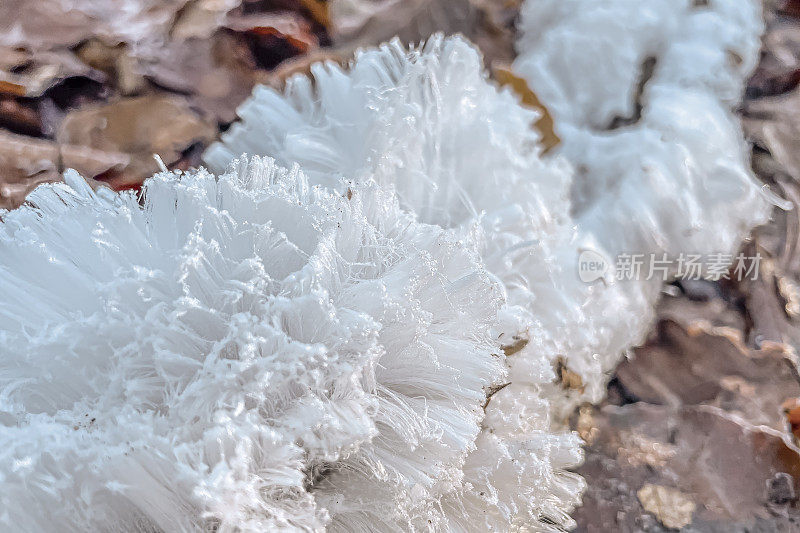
(697,430)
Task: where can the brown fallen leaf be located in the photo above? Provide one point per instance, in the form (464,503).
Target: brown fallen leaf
(48,24)
(20,116)
(216,74)
(779,69)
(719,462)
(201,18)
(568,379)
(287,24)
(139,127)
(357,23)
(545,125)
(765,306)
(785,7)
(495,31)
(319,10)
(115,61)
(790,291)
(705,364)
(11,89)
(26,162)
(791,409)
(490,24)
(23,73)
(300,65)
(774,123)
(712,310)
(517,344)
(144,25)
(273,38)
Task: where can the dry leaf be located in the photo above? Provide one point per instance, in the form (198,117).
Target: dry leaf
(145,25)
(369,22)
(779,69)
(23,73)
(201,18)
(790,291)
(720,462)
(218,74)
(566,377)
(704,364)
(506,77)
(300,65)
(139,127)
(774,123)
(791,410)
(270,27)
(48,24)
(20,116)
(545,125)
(115,61)
(319,11)
(490,24)
(25,162)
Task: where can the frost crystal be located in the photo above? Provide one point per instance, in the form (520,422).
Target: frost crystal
(246,353)
(461,154)
(256,353)
(665,171)
(641,94)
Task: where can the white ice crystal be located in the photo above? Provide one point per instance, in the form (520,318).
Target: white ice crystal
(641,94)
(461,154)
(246,353)
(254,353)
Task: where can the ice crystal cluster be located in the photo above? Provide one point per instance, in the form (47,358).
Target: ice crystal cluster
(425,122)
(248,353)
(368,342)
(642,95)
(664,171)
